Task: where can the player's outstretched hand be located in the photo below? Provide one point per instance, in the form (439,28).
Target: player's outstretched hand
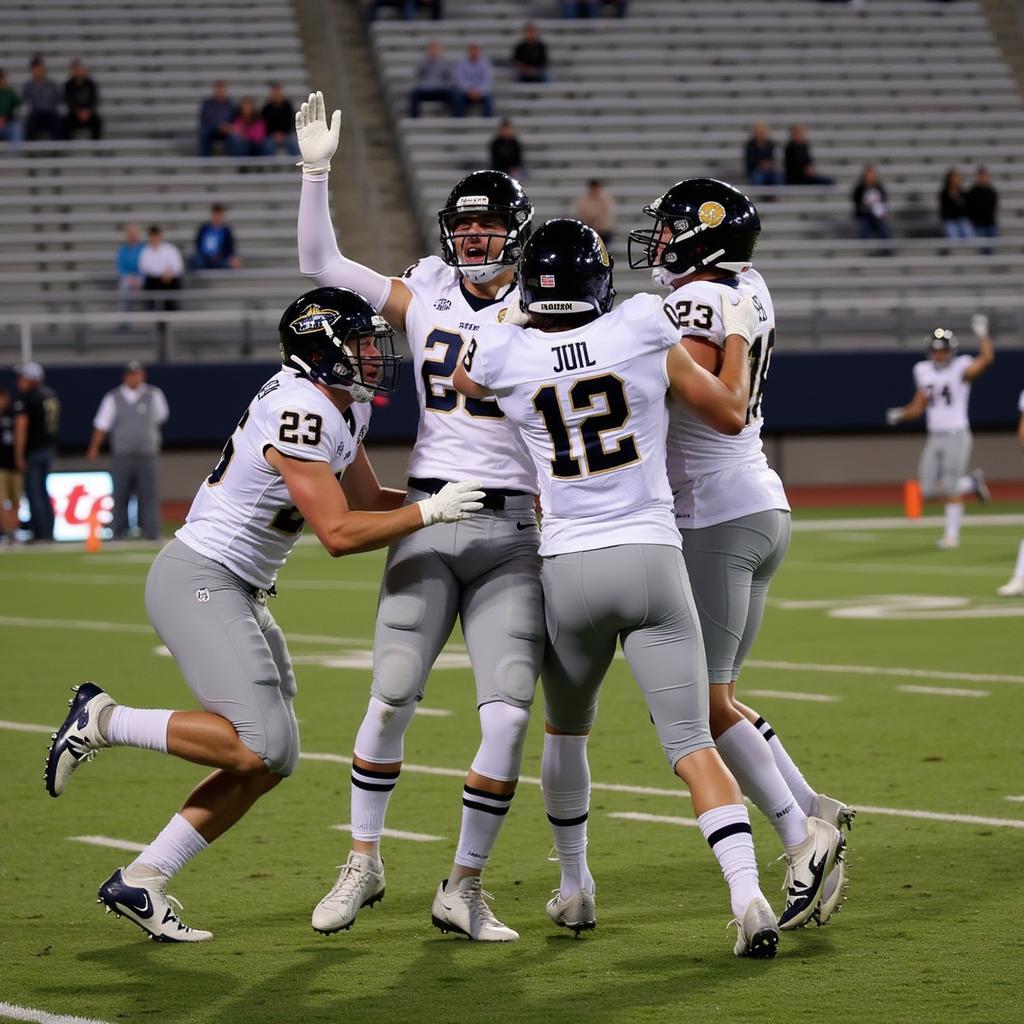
(894,415)
(979,324)
(739,314)
(318,140)
(453,502)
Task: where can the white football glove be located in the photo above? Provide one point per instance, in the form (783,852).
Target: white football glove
(894,415)
(979,324)
(452,503)
(739,315)
(514,314)
(318,140)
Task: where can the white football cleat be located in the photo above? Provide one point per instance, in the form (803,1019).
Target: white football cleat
(144,901)
(757,933)
(1014,588)
(577,912)
(947,543)
(980,486)
(833,893)
(807,867)
(78,738)
(360,884)
(466,911)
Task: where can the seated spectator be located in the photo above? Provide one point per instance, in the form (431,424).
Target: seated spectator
(161,266)
(248,131)
(433,80)
(953,207)
(474,81)
(506,153)
(10,126)
(215,244)
(436,8)
(215,117)
(41,97)
(759,157)
(869,205)
(129,277)
(596,208)
(800,168)
(81,98)
(530,57)
(982,204)
(279,117)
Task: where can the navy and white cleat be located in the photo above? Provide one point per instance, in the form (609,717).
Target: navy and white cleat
(144,901)
(757,934)
(833,894)
(807,867)
(79,737)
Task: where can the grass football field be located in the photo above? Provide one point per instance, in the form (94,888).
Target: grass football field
(890,669)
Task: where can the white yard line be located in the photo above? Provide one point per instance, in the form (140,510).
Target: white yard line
(394,833)
(820,698)
(433,712)
(901,523)
(114,844)
(26,727)
(1016,799)
(94,579)
(895,569)
(881,670)
(662,819)
(8,1011)
(943,691)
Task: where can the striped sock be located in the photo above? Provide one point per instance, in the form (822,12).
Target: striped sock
(565,779)
(371,791)
(727,830)
(483,814)
(805,796)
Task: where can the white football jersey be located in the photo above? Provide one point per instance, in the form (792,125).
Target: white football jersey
(947,392)
(458,438)
(590,406)
(718,477)
(1020,402)
(243,515)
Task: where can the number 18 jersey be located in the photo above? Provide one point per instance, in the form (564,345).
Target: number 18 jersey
(718,477)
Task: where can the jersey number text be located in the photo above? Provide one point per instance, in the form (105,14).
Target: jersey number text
(438,394)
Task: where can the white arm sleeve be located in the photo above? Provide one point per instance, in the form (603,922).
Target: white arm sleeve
(319,255)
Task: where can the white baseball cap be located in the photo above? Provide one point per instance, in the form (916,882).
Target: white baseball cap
(33,371)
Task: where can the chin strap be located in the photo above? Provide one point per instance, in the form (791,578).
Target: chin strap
(483,273)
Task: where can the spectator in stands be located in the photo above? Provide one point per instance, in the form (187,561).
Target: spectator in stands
(982,205)
(10,125)
(436,8)
(36,421)
(953,207)
(759,156)
(41,97)
(131,416)
(129,277)
(10,478)
(596,208)
(82,99)
(162,267)
(215,117)
(530,57)
(591,8)
(248,130)
(869,205)
(474,81)
(800,167)
(433,80)
(279,117)
(506,152)
(215,244)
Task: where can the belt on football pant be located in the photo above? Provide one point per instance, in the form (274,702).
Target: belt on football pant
(494,497)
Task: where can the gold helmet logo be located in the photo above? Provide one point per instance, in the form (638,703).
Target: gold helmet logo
(603,250)
(712,214)
(312,318)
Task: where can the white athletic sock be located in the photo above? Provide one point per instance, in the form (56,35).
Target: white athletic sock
(1018,572)
(565,780)
(176,845)
(747,756)
(954,514)
(806,797)
(483,814)
(727,830)
(371,791)
(137,727)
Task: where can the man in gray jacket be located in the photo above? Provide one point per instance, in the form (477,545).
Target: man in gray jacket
(131,415)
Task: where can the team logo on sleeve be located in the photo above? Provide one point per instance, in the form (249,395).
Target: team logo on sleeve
(312,318)
(711,213)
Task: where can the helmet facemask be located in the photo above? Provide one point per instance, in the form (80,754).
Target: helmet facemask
(501,248)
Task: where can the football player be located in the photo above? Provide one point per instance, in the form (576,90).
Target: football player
(1014,586)
(734,517)
(586,387)
(487,574)
(943,388)
(296,456)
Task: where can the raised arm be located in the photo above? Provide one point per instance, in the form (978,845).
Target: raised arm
(986,352)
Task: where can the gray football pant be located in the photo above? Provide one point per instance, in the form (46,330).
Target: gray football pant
(135,474)
(943,463)
(639,594)
(484,571)
(230,650)
(730,566)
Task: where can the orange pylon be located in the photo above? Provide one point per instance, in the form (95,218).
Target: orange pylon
(93,542)
(912,499)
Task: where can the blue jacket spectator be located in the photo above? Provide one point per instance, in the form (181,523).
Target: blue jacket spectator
(215,117)
(433,80)
(215,244)
(129,277)
(474,82)
(42,98)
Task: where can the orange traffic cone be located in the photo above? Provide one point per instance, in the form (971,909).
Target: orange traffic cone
(93,543)
(912,499)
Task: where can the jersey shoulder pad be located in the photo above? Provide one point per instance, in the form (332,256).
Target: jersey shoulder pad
(696,309)
(963,361)
(299,421)
(486,354)
(429,272)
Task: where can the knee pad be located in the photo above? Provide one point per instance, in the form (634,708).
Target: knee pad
(399,675)
(503,728)
(382,733)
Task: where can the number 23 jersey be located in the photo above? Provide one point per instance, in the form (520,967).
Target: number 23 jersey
(243,515)
(719,477)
